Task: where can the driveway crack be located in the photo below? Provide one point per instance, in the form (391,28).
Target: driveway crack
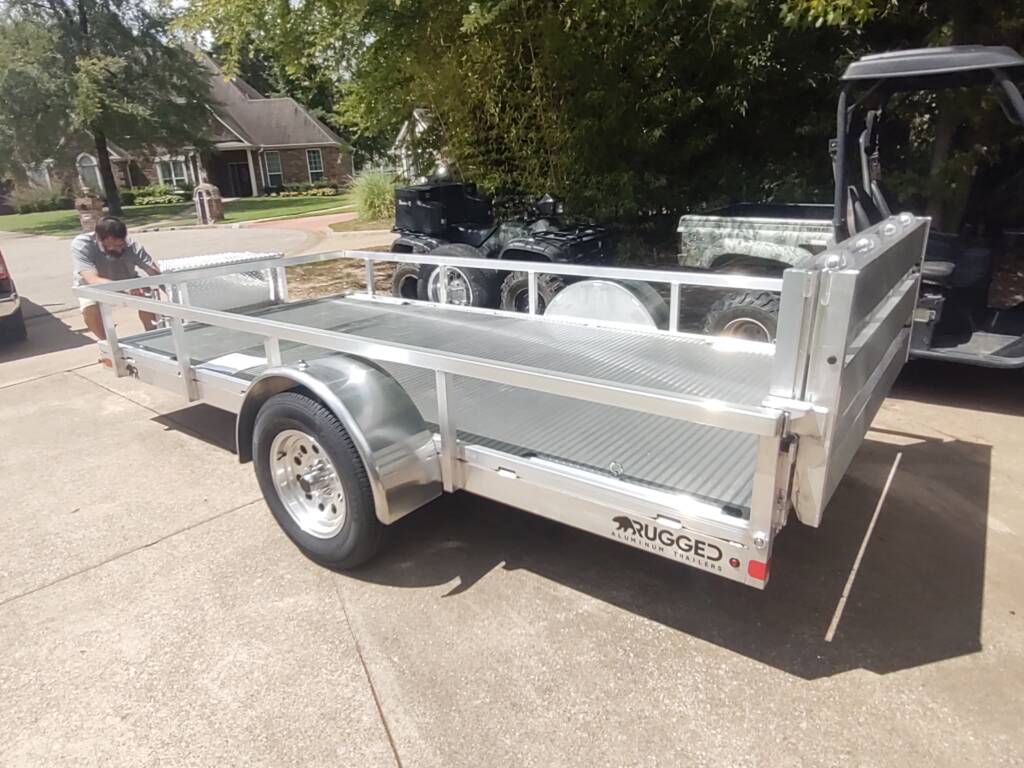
(369,677)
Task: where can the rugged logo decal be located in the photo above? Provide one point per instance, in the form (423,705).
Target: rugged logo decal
(681,546)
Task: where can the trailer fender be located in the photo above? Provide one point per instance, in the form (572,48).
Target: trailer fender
(388,430)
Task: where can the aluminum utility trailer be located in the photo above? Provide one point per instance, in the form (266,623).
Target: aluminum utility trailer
(360,408)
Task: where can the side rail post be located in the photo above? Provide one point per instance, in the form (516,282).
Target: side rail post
(116,356)
(188,381)
(447,430)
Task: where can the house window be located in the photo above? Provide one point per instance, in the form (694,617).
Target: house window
(315,161)
(172,172)
(275,176)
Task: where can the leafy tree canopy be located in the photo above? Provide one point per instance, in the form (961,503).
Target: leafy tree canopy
(626,108)
(75,73)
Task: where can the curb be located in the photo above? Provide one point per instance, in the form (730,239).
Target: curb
(288,217)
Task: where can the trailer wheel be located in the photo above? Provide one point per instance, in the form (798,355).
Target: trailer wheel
(315,482)
(406,281)
(751,316)
(466,287)
(515,291)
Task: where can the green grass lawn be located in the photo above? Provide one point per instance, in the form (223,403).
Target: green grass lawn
(249,208)
(65,223)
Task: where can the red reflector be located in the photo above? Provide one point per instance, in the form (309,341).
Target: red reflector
(757,570)
(734,562)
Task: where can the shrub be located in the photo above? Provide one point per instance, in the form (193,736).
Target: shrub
(154,190)
(128,197)
(35,199)
(301,190)
(158,199)
(372,192)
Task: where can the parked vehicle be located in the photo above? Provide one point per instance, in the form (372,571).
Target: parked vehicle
(451,219)
(358,409)
(12,318)
(953,321)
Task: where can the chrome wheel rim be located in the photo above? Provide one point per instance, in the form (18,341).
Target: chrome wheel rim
(459,292)
(747,328)
(307,483)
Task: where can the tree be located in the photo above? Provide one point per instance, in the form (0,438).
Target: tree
(626,108)
(95,70)
(957,137)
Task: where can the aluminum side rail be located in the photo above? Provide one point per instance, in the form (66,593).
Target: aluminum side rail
(765,422)
(666,276)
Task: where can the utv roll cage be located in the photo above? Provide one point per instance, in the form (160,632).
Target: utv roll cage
(881,75)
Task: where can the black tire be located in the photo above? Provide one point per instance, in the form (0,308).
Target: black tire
(481,284)
(515,291)
(749,315)
(13,328)
(406,281)
(361,532)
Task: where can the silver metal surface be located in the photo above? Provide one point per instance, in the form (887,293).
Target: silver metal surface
(598,365)
(666,276)
(392,439)
(188,384)
(249,288)
(692,425)
(677,527)
(629,303)
(446,422)
(307,483)
(113,344)
(859,343)
(455,288)
(716,465)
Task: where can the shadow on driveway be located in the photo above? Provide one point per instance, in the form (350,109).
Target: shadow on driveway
(917,598)
(46,333)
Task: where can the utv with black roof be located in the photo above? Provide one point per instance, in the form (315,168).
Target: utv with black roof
(953,320)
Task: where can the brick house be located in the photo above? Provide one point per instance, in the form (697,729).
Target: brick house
(258,143)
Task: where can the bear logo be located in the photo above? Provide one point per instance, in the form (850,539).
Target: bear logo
(625,525)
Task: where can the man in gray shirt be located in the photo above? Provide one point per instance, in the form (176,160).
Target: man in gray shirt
(104,256)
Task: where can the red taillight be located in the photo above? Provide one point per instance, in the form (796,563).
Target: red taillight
(757,570)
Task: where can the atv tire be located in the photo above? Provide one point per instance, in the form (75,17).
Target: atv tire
(466,287)
(405,282)
(515,291)
(749,315)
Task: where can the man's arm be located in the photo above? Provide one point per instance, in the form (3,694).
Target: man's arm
(91,277)
(144,260)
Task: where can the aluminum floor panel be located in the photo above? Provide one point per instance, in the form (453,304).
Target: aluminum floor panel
(713,464)
(704,461)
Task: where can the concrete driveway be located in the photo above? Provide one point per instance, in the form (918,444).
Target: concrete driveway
(152,613)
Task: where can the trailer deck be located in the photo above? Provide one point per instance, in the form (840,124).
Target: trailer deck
(706,462)
(691,447)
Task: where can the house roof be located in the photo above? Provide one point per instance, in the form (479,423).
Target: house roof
(276,122)
(246,117)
